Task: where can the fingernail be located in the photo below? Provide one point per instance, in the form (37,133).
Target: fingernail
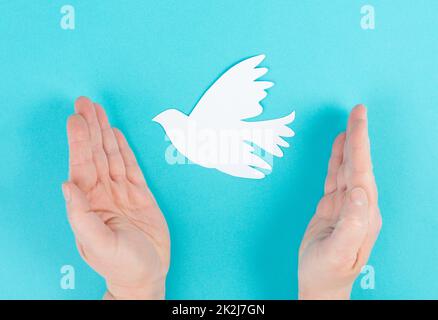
(66,193)
(359,197)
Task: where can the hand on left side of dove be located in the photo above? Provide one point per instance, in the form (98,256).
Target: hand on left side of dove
(120,230)
(347,222)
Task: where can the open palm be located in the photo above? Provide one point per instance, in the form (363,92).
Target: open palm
(341,235)
(120,230)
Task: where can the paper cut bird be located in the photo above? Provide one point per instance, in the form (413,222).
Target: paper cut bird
(220,132)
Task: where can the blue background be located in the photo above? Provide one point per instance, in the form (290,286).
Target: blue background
(231,238)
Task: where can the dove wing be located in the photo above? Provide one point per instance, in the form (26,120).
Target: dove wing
(236,95)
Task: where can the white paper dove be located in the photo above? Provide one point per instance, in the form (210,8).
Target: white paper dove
(219,134)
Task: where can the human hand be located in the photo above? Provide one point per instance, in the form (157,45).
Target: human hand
(341,235)
(119,228)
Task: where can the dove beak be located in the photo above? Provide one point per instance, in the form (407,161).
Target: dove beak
(155,119)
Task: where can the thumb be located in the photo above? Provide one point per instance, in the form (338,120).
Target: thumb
(88,227)
(351,230)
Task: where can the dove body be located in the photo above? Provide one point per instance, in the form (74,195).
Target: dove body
(225,146)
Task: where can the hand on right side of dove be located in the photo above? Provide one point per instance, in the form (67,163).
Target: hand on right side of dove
(342,233)
(120,230)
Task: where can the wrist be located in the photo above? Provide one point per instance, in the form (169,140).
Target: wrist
(153,291)
(340,294)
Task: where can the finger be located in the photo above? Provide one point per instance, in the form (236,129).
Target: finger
(82,168)
(359,168)
(325,209)
(88,227)
(133,171)
(115,161)
(85,108)
(358,164)
(351,230)
(334,163)
(359,112)
(358,157)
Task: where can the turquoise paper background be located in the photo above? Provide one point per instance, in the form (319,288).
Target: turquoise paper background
(231,238)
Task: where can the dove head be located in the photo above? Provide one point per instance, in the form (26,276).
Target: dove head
(170,118)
